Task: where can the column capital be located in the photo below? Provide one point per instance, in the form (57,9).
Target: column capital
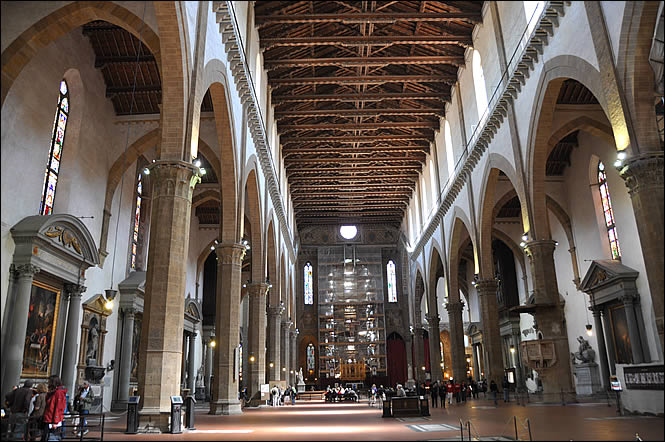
(454,307)
(257,288)
(294,333)
(487,286)
(275,311)
(643,171)
(433,319)
(537,248)
(628,299)
(26,270)
(230,253)
(286,325)
(162,170)
(75,290)
(130,311)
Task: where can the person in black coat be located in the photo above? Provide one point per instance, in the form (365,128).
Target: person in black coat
(434,392)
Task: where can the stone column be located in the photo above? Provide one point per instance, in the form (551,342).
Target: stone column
(644,178)
(191,367)
(12,354)
(602,349)
(434,348)
(409,361)
(256,291)
(454,309)
(125,356)
(225,386)
(274,354)
(293,354)
(549,316)
(285,361)
(70,351)
(489,312)
(633,334)
(517,359)
(419,354)
(161,351)
(476,362)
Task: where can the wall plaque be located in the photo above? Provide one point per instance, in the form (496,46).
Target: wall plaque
(644,378)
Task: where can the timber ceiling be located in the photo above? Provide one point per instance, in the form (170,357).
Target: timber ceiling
(358,89)
(116,54)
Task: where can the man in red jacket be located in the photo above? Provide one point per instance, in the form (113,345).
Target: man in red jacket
(458,389)
(54,412)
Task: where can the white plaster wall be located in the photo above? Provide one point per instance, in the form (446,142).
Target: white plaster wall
(613,13)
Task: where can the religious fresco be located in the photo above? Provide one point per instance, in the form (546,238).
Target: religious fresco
(136,340)
(42,323)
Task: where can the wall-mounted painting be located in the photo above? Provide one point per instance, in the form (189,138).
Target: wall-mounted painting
(42,323)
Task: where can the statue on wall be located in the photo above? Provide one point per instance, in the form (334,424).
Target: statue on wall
(301,379)
(199,377)
(93,343)
(585,354)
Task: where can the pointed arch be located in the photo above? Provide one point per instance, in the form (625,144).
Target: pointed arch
(253,212)
(271,261)
(50,28)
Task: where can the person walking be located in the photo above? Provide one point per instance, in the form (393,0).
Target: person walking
(506,389)
(434,392)
(457,389)
(274,394)
(35,421)
(493,391)
(449,391)
(54,412)
(19,406)
(83,400)
(463,391)
(442,394)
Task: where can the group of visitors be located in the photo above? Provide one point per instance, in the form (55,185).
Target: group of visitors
(339,393)
(37,413)
(277,396)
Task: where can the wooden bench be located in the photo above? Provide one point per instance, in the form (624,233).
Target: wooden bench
(309,395)
(409,406)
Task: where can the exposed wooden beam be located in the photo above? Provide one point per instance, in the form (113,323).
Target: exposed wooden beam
(278,99)
(361,178)
(350,187)
(370,17)
(353,169)
(449,79)
(463,40)
(353,139)
(361,126)
(103,61)
(110,91)
(327,213)
(355,112)
(295,161)
(342,193)
(455,60)
(366,150)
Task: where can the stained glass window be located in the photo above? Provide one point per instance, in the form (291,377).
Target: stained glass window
(309,288)
(392,282)
(608,212)
(55,151)
(310,357)
(137,221)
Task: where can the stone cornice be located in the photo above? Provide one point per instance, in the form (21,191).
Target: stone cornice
(244,85)
(518,71)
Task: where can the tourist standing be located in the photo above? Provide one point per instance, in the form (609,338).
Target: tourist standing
(54,413)
(457,389)
(493,390)
(36,425)
(442,394)
(84,398)
(506,389)
(463,391)
(19,405)
(294,393)
(434,392)
(449,391)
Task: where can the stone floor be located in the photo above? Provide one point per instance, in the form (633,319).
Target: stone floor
(317,420)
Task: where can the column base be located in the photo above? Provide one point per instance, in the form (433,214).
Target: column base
(154,421)
(225,407)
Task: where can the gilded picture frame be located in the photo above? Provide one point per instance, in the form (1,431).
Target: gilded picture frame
(41,330)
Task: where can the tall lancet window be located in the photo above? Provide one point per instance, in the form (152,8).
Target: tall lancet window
(137,220)
(309,288)
(392,281)
(310,358)
(55,151)
(608,212)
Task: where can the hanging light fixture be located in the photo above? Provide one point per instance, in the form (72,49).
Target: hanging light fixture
(512,349)
(589,328)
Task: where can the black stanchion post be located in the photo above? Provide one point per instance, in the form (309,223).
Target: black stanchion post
(468,426)
(515,422)
(528,424)
(190,404)
(133,414)
(176,414)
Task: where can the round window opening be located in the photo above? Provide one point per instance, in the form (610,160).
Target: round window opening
(348,232)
